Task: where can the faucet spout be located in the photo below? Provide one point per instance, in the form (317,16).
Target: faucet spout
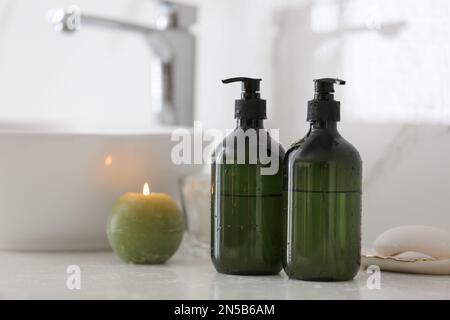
(172,71)
(65,20)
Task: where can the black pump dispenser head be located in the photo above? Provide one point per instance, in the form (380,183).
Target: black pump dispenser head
(323,107)
(250,106)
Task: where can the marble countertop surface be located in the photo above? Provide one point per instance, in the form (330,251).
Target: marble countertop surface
(104,276)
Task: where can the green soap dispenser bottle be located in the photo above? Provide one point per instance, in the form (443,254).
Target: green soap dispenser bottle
(322,181)
(247,192)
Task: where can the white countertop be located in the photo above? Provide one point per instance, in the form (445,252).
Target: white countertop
(104,276)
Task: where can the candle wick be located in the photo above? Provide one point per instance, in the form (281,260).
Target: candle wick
(146,189)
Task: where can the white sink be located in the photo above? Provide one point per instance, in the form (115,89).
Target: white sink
(58,185)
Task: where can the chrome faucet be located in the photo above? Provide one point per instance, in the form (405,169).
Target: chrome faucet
(173,45)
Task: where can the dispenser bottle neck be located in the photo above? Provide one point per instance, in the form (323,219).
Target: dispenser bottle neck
(245,123)
(327,125)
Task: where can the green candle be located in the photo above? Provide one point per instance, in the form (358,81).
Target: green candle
(145,228)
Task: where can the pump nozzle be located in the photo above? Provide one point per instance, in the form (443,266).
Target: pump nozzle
(250,86)
(323,88)
(250,106)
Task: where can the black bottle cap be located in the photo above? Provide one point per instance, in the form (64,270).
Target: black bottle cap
(250,106)
(323,107)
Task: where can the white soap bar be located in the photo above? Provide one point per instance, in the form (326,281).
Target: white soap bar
(429,241)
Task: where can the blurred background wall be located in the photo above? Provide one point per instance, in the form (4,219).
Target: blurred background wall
(393,54)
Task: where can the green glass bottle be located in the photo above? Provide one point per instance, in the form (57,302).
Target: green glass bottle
(322,178)
(247,192)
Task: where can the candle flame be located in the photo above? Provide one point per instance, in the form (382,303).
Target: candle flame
(108,160)
(146,189)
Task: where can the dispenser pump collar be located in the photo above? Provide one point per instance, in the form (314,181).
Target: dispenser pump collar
(323,107)
(250,106)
